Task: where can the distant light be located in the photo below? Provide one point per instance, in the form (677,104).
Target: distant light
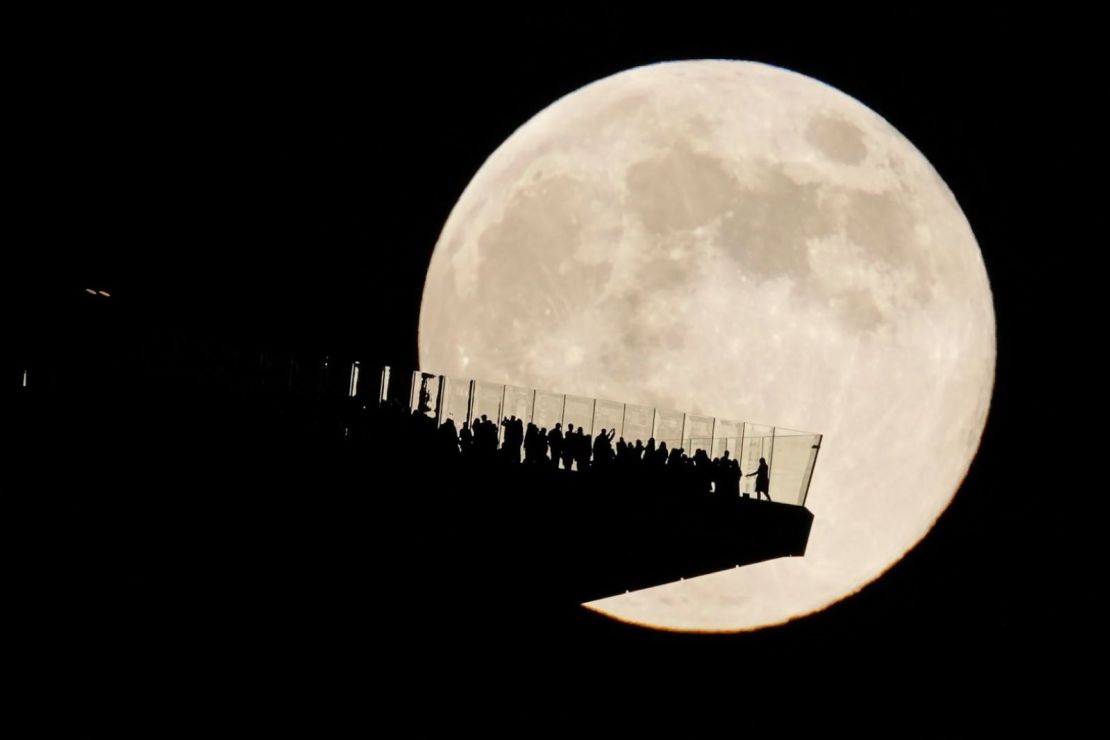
(104,293)
(90,291)
(24,378)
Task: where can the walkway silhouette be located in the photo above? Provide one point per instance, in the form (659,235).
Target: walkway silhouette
(577,516)
(275,498)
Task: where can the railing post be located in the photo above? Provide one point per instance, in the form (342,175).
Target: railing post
(383,385)
(501,413)
(352,385)
(771,455)
(470,404)
(441,396)
(740,456)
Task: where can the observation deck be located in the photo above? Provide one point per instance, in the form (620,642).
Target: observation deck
(666,495)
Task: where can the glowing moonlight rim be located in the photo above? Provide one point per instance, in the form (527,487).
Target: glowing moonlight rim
(953,353)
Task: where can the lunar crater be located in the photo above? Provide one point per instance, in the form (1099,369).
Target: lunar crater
(837,139)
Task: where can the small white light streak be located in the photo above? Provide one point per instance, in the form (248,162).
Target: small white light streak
(352,391)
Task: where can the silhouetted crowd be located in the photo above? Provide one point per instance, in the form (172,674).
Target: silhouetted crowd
(574,449)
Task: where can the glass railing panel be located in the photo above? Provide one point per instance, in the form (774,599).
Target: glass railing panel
(518,403)
(638,423)
(807,478)
(790,465)
(456,401)
(609,415)
(486,401)
(697,434)
(726,436)
(668,428)
(579,411)
(547,410)
(757,444)
(775,463)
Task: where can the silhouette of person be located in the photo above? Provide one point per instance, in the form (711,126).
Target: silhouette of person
(661,455)
(603,447)
(425,395)
(449,438)
(762,479)
(703,470)
(466,439)
(485,437)
(583,449)
(732,487)
(514,437)
(531,454)
(555,441)
(570,442)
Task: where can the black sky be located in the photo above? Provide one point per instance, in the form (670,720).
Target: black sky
(284,188)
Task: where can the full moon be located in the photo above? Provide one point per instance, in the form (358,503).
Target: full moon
(737,240)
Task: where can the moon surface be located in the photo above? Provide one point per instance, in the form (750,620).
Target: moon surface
(736,240)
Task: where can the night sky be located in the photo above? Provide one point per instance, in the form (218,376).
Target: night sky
(283,189)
